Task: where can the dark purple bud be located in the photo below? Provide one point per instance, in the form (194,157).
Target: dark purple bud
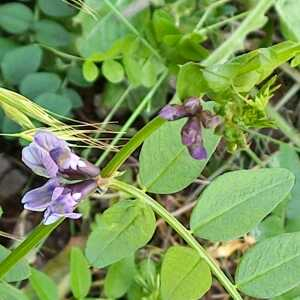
(72,166)
(173,112)
(191,131)
(82,189)
(198,151)
(192,106)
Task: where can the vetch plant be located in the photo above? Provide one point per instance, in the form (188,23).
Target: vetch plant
(222,97)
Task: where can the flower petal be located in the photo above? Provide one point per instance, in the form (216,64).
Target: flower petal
(39,161)
(191,131)
(197,151)
(40,198)
(192,106)
(49,141)
(173,112)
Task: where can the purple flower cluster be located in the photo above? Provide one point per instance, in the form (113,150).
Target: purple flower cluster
(191,133)
(51,157)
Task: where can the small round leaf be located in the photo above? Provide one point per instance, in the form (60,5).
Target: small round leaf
(113,71)
(20,62)
(38,83)
(15,17)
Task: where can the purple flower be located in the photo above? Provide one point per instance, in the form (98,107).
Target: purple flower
(49,156)
(58,200)
(191,133)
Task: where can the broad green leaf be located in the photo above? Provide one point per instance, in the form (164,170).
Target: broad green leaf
(184,275)
(288,11)
(19,272)
(113,71)
(55,103)
(90,70)
(271,267)
(288,158)
(51,33)
(8,292)
(271,226)
(165,164)
(56,8)
(81,277)
(293,294)
(73,96)
(191,82)
(150,72)
(120,231)
(236,202)
(15,17)
(20,62)
(119,277)
(38,83)
(43,285)
(1,211)
(6,45)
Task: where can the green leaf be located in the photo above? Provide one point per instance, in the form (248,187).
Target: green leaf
(288,158)
(75,76)
(288,11)
(20,62)
(43,285)
(119,277)
(90,70)
(9,126)
(8,292)
(38,83)
(184,275)
(133,70)
(99,35)
(55,103)
(51,33)
(15,17)
(6,45)
(19,272)
(1,211)
(120,231)
(271,267)
(73,96)
(165,164)
(227,210)
(81,277)
(113,71)
(191,82)
(56,8)
(269,227)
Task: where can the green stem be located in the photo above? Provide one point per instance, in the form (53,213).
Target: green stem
(87,153)
(206,29)
(182,231)
(132,118)
(32,240)
(115,163)
(233,43)
(282,124)
(207,12)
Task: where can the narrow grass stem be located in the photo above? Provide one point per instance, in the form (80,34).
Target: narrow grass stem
(132,118)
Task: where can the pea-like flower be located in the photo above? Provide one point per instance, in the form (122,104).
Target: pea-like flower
(51,157)
(191,133)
